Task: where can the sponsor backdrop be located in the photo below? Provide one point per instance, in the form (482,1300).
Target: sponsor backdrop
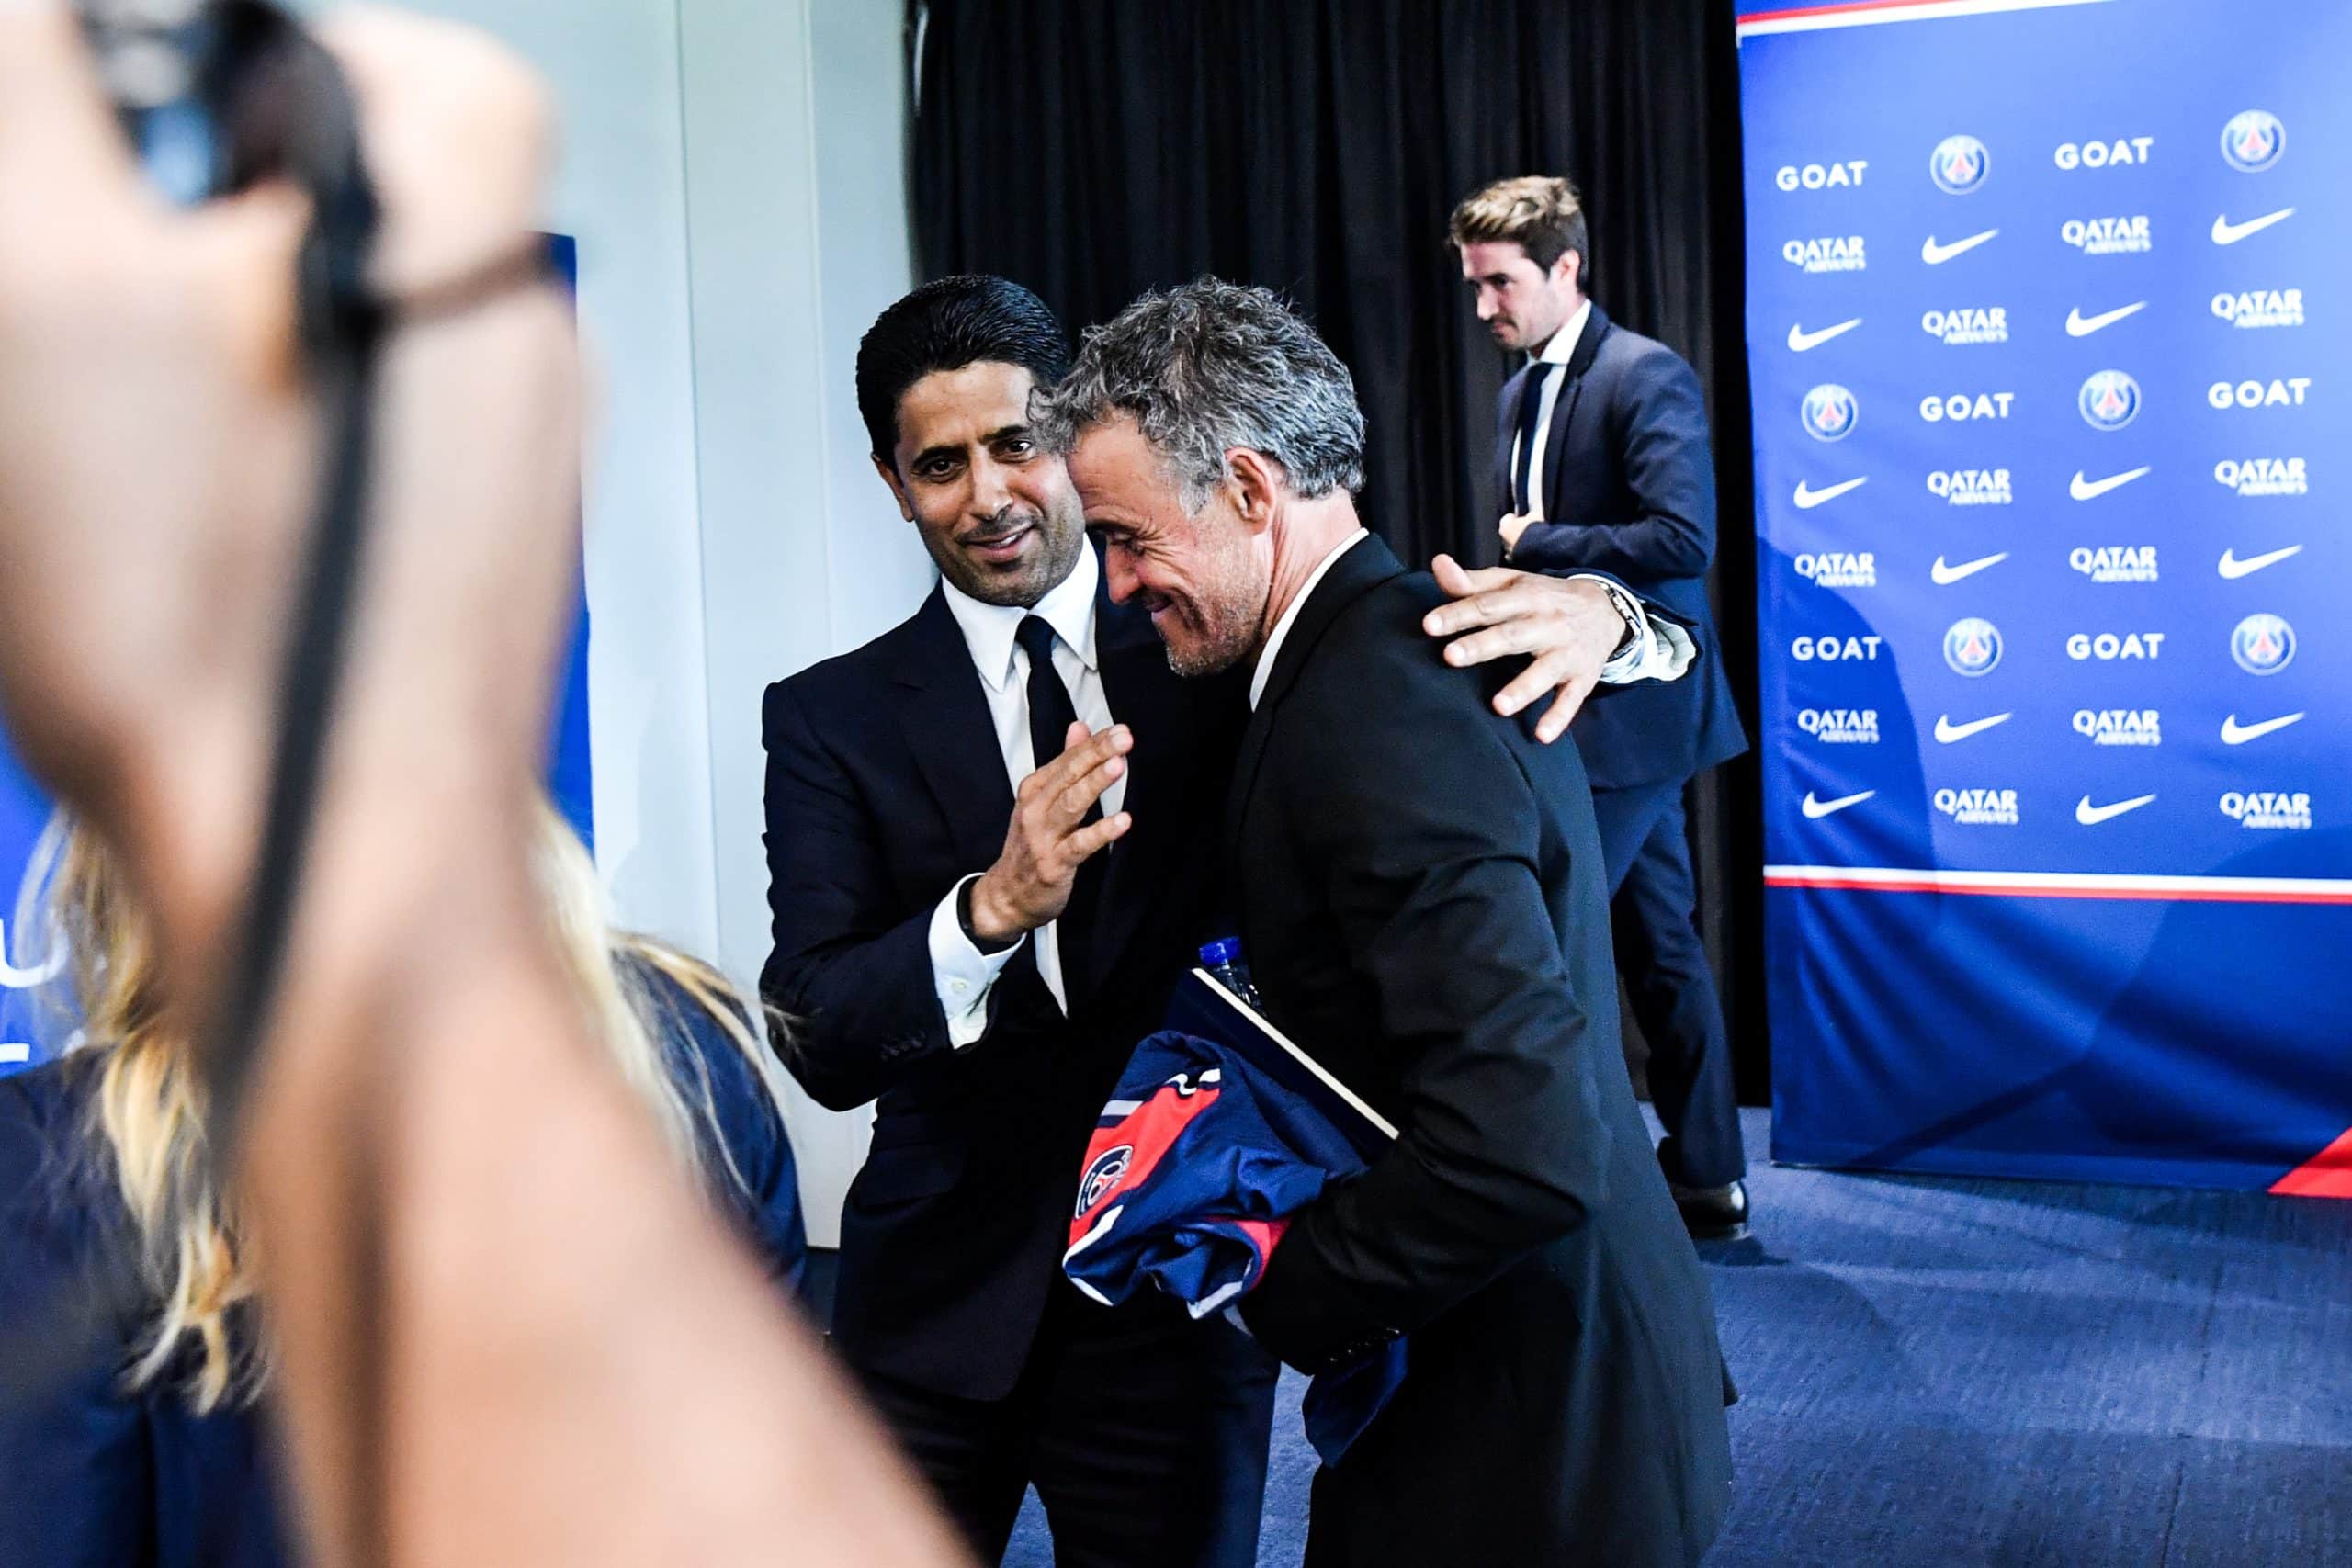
(27,1022)
(2050,339)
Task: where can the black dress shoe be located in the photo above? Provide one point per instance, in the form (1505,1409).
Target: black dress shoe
(1713,1213)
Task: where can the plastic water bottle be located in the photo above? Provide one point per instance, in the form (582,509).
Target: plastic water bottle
(1222,958)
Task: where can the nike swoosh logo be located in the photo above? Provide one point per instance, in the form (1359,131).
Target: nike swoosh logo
(1947,575)
(1801,340)
(1817,809)
(2236,734)
(1935,254)
(2082,489)
(2231,567)
(1808,498)
(2228,233)
(2091,816)
(1948,732)
(2080,325)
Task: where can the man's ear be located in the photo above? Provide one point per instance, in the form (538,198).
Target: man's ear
(897,488)
(1568,269)
(1257,481)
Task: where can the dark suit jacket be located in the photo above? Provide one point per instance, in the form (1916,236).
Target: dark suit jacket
(94,1475)
(1420,894)
(885,788)
(1631,487)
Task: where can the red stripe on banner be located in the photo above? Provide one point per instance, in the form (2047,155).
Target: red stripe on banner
(2049,890)
(1807,18)
(2327,1175)
(1790,13)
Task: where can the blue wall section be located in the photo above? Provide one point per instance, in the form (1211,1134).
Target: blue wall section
(568,765)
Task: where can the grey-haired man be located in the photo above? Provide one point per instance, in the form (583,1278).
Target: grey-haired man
(1420,888)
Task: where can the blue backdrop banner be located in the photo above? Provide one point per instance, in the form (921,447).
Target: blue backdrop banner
(2051,344)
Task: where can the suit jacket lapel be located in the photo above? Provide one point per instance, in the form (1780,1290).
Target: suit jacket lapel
(1564,410)
(948,729)
(1366,566)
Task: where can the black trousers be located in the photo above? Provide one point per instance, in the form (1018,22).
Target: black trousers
(1652,918)
(1144,1432)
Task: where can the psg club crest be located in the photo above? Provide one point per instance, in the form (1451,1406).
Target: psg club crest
(1960,164)
(1103,1176)
(2263,644)
(1829,411)
(2253,141)
(1973,646)
(2110,400)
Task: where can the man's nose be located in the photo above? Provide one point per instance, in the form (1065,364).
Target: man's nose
(991,488)
(1121,575)
(1487,305)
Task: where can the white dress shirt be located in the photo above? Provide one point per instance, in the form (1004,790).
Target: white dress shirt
(961,973)
(1551,364)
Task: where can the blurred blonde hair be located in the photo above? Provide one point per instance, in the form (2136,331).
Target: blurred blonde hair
(148,1117)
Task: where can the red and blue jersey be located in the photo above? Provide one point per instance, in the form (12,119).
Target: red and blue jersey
(1196,1168)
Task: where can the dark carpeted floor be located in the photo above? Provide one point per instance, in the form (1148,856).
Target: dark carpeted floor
(1958,1372)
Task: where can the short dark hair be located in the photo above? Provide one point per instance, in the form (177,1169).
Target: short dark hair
(1539,213)
(946,325)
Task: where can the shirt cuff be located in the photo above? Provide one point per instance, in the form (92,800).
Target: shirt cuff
(1673,651)
(961,973)
(1632,663)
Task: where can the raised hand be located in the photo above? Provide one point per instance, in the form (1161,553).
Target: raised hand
(159,449)
(1049,838)
(488,1290)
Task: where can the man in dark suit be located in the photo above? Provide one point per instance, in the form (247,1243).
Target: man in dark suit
(991,854)
(1420,896)
(1601,456)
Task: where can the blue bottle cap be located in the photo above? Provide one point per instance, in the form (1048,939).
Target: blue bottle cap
(1224,950)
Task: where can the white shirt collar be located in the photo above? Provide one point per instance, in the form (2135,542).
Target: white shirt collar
(1563,346)
(1289,613)
(1068,607)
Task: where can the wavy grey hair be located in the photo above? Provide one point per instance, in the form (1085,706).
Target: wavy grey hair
(1207,368)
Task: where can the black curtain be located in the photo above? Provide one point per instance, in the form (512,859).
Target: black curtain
(1091,149)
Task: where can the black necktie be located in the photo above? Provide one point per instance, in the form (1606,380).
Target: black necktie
(1051,713)
(1531,406)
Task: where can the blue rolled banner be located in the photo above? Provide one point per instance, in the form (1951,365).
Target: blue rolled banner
(2052,365)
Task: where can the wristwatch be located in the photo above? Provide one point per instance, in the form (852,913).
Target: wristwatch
(1629,609)
(964,918)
